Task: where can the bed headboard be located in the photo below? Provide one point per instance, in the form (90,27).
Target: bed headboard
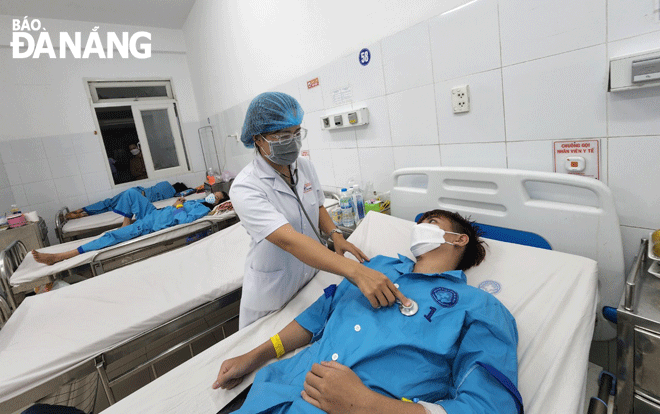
(572,214)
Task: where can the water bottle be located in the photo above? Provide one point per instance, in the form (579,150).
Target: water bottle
(358,203)
(210,176)
(346,209)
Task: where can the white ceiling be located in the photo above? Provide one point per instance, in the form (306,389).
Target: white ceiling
(169,14)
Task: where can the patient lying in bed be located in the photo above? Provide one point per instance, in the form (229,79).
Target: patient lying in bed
(148,219)
(451,351)
(161,191)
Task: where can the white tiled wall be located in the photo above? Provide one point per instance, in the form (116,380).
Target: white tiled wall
(6,195)
(48,173)
(537,71)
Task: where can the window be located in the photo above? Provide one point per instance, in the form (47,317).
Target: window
(140,129)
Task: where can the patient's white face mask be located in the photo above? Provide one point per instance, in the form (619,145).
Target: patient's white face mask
(426,237)
(135,151)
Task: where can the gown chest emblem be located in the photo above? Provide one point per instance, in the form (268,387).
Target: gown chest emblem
(444,297)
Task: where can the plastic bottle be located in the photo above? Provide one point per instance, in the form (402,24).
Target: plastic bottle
(349,193)
(210,176)
(358,202)
(346,209)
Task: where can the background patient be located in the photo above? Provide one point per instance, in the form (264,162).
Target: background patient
(148,219)
(161,191)
(367,360)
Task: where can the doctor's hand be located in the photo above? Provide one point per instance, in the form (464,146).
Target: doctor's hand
(335,388)
(232,371)
(342,246)
(377,288)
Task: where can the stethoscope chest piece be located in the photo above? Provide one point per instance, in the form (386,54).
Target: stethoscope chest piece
(409,310)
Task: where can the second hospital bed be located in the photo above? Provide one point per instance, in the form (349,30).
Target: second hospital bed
(26,274)
(122,323)
(554,296)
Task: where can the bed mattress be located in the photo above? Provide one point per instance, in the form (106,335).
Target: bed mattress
(53,332)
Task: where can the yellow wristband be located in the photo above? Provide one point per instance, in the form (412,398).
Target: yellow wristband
(277,344)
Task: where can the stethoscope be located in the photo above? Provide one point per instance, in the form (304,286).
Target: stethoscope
(407,310)
(292,185)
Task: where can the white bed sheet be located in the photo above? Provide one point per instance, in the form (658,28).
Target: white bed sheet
(109,218)
(552,295)
(49,333)
(29,270)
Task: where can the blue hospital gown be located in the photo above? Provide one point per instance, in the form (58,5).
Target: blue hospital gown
(430,356)
(148,219)
(161,191)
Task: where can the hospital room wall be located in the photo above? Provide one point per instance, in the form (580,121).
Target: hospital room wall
(538,72)
(50,155)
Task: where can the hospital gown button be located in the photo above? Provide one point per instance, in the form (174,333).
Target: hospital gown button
(335,357)
(396,285)
(357,328)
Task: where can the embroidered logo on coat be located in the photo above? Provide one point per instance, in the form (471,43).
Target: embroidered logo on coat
(490,286)
(307,188)
(444,297)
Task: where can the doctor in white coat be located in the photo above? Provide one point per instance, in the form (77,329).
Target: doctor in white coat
(279,200)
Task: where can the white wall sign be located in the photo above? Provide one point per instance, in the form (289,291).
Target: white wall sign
(578,157)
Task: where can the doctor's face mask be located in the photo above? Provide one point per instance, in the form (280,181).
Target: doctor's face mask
(426,237)
(285,147)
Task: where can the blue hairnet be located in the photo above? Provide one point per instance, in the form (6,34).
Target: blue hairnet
(268,112)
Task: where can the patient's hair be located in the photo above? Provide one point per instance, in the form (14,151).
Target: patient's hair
(474,252)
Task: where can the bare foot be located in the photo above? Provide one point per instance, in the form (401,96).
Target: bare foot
(45,258)
(52,258)
(75,214)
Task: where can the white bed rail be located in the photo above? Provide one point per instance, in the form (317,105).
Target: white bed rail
(573,214)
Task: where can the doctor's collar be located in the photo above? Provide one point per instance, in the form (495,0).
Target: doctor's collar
(269,171)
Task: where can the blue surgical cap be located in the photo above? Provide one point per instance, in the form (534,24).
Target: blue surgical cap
(268,112)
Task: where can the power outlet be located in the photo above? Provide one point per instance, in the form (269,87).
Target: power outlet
(460,99)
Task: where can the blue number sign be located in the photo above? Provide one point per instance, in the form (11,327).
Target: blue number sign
(364,57)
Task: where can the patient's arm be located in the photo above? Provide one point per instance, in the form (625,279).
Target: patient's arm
(232,371)
(335,388)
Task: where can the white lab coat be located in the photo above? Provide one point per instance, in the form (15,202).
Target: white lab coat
(264,203)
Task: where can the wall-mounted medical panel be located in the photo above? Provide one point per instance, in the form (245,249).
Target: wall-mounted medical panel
(345,119)
(640,70)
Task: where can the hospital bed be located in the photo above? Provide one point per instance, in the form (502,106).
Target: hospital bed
(554,295)
(127,324)
(22,273)
(88,226)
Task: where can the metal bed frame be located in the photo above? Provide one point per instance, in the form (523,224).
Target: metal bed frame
(108,259)
(60,221)
(190,331)
(5,309)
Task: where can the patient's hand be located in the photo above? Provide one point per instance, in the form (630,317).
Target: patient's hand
(232,371)
(335,388)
